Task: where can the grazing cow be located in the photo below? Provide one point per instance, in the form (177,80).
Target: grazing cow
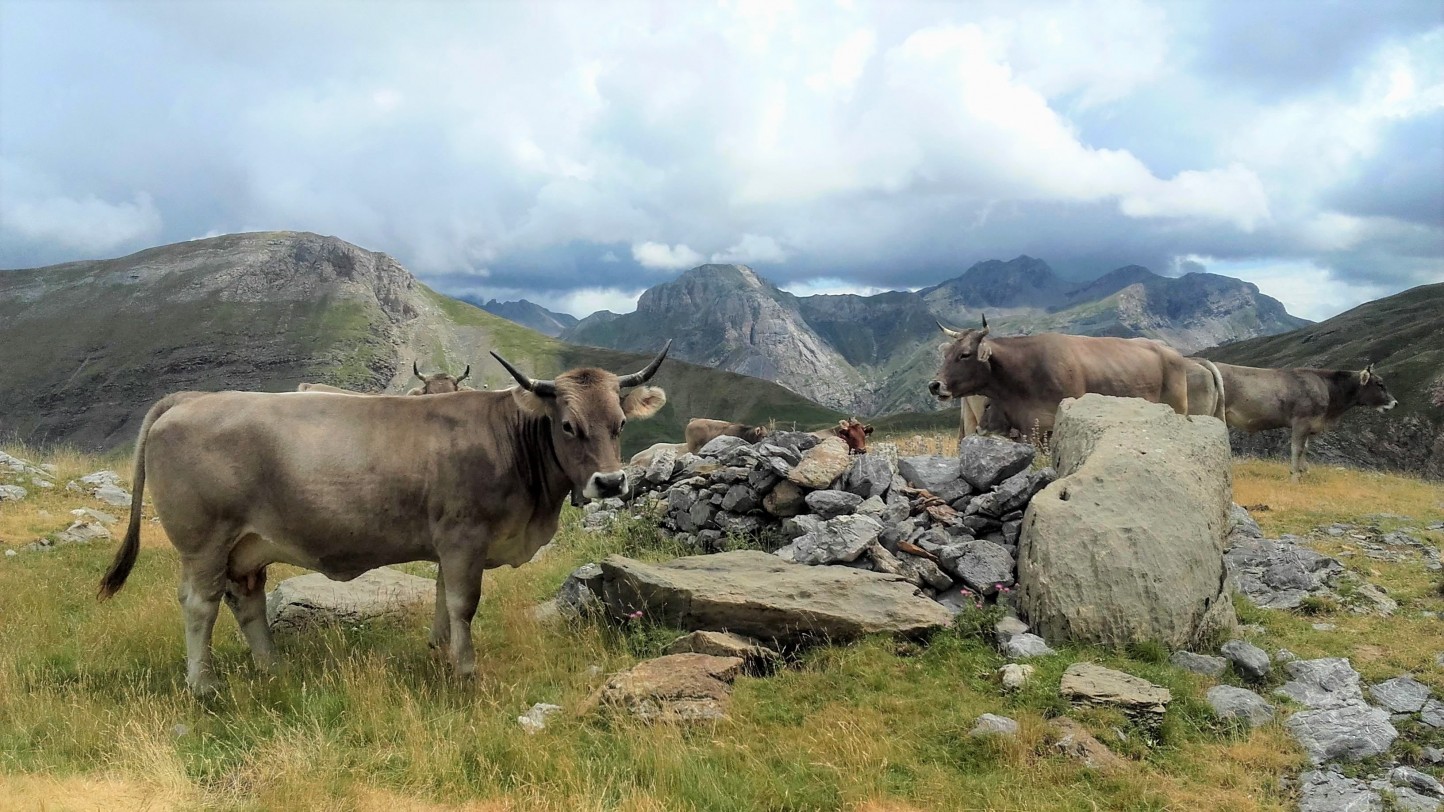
(644,458)
(1026,377)
(1305,401)
(702,430)
(439,383)
(242,480)
(325,388)
(850,431)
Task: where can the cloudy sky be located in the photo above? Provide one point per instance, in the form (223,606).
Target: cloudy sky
(577,152)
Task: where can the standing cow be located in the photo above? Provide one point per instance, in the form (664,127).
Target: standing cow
(242,480)
(438,383)
(1305,401)
(1026,377)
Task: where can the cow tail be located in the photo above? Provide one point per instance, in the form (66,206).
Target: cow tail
(1220,405)
(125,557)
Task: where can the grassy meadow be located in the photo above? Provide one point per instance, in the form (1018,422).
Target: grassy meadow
(94,713)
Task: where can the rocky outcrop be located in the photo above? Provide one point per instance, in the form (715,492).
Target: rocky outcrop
(306,600)
(672,688)
(1128,544)
(761,596)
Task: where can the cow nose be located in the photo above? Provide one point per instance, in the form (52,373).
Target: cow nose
(936,387)
(602,486)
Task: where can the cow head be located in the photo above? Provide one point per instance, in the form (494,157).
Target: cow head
(755,434)
(439,383)
(966,368)
(854,434)
(587,409)
(1373,392)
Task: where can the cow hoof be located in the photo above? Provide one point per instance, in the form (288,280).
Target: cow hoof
(206,688)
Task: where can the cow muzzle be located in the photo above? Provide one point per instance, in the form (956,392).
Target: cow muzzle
(938,390)
(605,486)
(1391,404)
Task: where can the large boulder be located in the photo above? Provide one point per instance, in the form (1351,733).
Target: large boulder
(674,688)
(759,595)
(1127,545)
(929,472)
(986,461)
(821,464)
(306,600)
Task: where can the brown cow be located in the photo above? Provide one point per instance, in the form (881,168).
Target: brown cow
(850,431)
(439,383)
(242,480)
(1028,376)
(702,430)
(1305,401)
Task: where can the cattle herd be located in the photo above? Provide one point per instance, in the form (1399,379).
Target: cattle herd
(343,482)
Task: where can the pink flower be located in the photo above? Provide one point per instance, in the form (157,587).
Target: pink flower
(635,614)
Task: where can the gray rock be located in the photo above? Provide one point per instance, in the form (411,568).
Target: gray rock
(982,565)
(580,595)
(1013,493)
(12,493)
(740,498)
(1093,684)
(838,541)
(785,500)
(1205,664)
(1400,694)
(923,572)
(720,445)
(822,464)
(82,531)
(874,506)
(986,461)
(1241,524)
(1329,682)
(992,724)
(734,524)
(1014,676)
(798,441)
(757,659)
(928,471)
(1229,702)
(1249,660)
(1007,628)
(1406,799)
(1128,545)
(870,475)
(307,600)
(831,504)
(1349,732)
(1432,755)
(797,526)
(1283,655)
(759,595)
(1419,782)
(1024,646)
(762,481)
(112,495)
(1321,791)
(1432,714)
(535,719)
(663,464)
(1011,531)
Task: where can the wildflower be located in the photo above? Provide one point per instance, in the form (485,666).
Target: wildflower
(635,615)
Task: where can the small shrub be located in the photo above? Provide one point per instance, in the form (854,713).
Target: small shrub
(977,618)
(1148,651)
(1318,605)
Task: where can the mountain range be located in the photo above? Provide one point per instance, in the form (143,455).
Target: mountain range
(89,346)
(527,314)
(875,354)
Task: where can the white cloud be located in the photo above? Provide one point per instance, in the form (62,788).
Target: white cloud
(1305,289)
(752,249)
(586,301)
(87,225)
(665,257)
(829,285)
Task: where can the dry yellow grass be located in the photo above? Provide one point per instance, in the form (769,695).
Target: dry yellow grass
(93,713)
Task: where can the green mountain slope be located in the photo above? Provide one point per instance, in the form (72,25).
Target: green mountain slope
(1403,335)
(90,345)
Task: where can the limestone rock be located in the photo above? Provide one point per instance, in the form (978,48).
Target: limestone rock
(986,461)
(663,464)
(12,493)
(759,595)
(1349,732)
(991,724)
(310,599)
(1205,664)
(785,500)
(1128,544)
(82,531)
(1074,741)
(822,464)
(831,504)
(672,688)
(1249,660)
(757,659)
(1321,791)
(837,541)
(1013,493)
(1091,683)
(1329,682)
(1422,783)
(1024,646)
(719,446)
(535,719)
(929,472)
(982,565)
(580,595)
(870,475)
(1229,702)
(1015,675)
(1400,694)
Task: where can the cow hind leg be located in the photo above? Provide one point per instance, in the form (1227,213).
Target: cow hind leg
(247,599)
(200,599)
(1298,449)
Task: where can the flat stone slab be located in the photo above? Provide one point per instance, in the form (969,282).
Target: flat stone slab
(1350,733)
(672,688)
(1229,702)
(1093,684)
(759,595)
(311,599)
(758,659)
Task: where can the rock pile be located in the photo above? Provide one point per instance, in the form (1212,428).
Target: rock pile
(102,485)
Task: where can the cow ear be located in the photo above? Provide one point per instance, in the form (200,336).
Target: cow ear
(529,402)
(985,350)
(943,347)
(1363,377)
(643,402)
(867,429)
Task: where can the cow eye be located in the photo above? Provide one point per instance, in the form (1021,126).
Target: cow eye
(568,429)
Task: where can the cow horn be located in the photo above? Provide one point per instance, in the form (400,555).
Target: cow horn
(950,333)
(417,371)
(985,320)
(543,388)
(465,374)
(638,378)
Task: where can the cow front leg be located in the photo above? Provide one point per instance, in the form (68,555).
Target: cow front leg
(441,622)
(462,580)
(247,599)
(200,600)
(1298,448)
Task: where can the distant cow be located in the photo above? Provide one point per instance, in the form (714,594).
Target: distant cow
(1305,401)
(644,458)
(850,431)
(702,430)
(243,480)
(1026,377)
(438,383)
